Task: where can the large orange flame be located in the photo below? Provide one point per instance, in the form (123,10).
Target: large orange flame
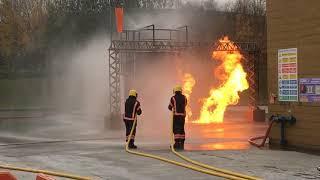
(188,83)
(233,80)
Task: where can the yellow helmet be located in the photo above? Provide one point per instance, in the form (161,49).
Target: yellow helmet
(133,92)
(177,88)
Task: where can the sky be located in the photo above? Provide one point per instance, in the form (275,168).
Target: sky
(221,3)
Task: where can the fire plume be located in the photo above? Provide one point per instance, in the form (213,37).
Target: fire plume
(232,81)
(188,83)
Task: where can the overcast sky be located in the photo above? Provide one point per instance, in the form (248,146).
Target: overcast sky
(221,2)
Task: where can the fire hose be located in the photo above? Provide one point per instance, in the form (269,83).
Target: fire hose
(45,172)
(251,140)
(205,165)
(213,171)
(278,119)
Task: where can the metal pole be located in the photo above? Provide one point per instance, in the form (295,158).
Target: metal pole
(126,35)
(110,20)
(134,68)
(283,140)
(110,79)
(153,34)
(134,35)
(187,36)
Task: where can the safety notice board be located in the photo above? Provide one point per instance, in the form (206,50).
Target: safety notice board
(309,89)
(288,74)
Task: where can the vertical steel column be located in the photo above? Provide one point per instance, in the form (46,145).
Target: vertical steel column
(153,34)
(257,56)
(187,35)
(251,76)
(114,82)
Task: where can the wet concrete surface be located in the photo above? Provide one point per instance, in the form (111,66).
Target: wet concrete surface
(87,149)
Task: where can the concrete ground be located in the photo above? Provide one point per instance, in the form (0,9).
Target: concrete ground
(98,153)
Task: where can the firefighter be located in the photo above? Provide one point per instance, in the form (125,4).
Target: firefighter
(132,109)
(177,105)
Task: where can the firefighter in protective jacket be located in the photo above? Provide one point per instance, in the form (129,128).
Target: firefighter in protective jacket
(177,105)
(132,109)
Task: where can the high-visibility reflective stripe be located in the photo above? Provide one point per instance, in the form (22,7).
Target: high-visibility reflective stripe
(134,110)
(174,104)
(133,113)
(175,108)
(179,114)
(179,136)
(176,136)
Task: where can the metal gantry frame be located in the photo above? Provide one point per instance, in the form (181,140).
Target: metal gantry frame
(251,65)
(147,40)
(251,61)
(144,40)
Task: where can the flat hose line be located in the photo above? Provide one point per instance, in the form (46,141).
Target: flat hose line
(264,138)
(70,176)
(205,165)
(223,173)
(219,172)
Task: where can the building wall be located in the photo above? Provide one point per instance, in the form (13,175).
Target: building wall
(295,24)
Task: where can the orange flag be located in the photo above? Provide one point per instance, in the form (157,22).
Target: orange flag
(119,18)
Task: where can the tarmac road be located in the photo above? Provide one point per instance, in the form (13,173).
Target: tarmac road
(100,154)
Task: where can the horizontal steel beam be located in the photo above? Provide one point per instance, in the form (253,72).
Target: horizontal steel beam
(172,46)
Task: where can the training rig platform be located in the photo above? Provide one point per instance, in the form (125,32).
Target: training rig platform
(149,39)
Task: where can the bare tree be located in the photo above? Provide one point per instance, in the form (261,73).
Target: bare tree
(209,4)
(249,19)
(6,29)
(249,7)
(21,20)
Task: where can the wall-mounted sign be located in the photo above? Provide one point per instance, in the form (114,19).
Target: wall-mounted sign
(309,89)
(288,74)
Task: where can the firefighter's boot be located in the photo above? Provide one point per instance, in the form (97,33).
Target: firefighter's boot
(182,144)
(131,145)
(176,144)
